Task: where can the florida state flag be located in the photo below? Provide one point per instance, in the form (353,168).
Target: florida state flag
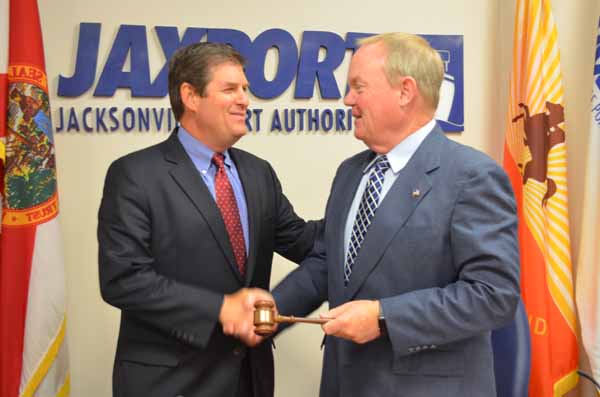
(33,354)
(535,158)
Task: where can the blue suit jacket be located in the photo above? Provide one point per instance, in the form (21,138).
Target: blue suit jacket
(444,263)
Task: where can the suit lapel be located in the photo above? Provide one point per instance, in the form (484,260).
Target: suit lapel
(190,182)
(248,177)
(348,182)
(409,189)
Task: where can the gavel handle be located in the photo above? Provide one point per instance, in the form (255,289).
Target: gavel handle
(292,319)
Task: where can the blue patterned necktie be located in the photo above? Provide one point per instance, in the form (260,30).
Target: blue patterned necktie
(366,211)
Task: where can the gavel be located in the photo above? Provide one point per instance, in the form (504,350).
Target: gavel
(265,318)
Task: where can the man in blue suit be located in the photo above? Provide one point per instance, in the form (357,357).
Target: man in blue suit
(419,255)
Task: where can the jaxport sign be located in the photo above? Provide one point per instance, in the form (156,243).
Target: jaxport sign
(309,64)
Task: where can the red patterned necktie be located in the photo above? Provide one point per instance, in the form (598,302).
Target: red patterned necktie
(229,211)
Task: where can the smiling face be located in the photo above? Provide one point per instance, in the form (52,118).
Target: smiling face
(218,117)
(375,102)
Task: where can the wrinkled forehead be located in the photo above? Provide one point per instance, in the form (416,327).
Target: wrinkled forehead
(227,70)
(368,58)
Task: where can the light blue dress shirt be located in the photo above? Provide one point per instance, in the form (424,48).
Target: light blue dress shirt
(201,156)
(398,157)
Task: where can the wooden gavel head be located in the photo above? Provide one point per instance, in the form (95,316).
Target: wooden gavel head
(264,317)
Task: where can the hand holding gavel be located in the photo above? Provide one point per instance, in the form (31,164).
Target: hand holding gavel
(265,318)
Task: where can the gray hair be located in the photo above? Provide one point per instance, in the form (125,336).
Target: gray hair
(411,55)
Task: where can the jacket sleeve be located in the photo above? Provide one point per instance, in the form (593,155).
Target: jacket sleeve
(305,288)
(485,252)
(294,238)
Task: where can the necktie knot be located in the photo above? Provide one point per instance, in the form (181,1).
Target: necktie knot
(382,164)
(218,159)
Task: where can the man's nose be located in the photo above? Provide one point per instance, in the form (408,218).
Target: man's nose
(242,97)
(349,98)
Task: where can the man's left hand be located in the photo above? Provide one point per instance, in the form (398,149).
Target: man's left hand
(356,321)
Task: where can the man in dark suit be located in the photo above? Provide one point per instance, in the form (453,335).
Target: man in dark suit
(184,227)
(419,256)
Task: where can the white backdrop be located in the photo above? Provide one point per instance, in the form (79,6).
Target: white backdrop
(305,162)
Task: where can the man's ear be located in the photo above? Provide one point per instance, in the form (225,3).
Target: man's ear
(189,96)
(407,90)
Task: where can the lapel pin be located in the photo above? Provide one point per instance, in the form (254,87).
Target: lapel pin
(416,193)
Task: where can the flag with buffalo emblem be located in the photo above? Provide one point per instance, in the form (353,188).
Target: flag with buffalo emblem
(535,158)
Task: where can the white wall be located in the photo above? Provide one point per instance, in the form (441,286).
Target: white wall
(304,162)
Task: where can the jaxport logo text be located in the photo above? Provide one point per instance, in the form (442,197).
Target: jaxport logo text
(306,67)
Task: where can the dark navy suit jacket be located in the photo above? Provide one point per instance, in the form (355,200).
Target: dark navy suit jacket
(442,257)
(165,260)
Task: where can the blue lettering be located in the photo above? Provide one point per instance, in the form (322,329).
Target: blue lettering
(339,120)
(128,112)
(313,119)
(349,115)
(131,43)
(257,113)
(597,66)
(131,39)
(327,120)
(301,119)
(61,121)
(276,123)
(85,63)
(168,37)
(144,119)
(100,119)
(238,40)
(73,124)
(248,115)
(314,64)
(158,119)
(113,118)
(286,69)
(310,70)
(353,37)
(86,126)
(289,118)
(91,119)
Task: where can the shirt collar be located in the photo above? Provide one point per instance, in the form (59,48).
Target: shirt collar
(198,151)
(399,156)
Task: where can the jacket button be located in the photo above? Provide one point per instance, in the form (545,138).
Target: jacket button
(237,350)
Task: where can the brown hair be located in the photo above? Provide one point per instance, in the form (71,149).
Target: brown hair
(193,64)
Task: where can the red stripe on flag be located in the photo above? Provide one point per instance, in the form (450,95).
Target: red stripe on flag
(17,243)
(16,253)
(25,43)
(3,103)
(3,120)
(550,335)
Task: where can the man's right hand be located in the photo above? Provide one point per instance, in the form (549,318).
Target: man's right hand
(237,314)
